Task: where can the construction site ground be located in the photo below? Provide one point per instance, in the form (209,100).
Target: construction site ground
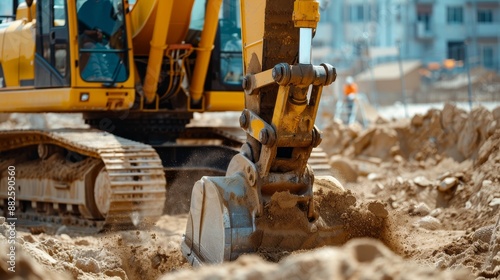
(438,175)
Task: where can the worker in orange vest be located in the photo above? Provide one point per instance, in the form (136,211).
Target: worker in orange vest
(350,91)
(350,87)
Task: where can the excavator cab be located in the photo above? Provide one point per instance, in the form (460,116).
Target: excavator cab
(226,58)
(48,58)
(52,67)
(102,41)
(101,49)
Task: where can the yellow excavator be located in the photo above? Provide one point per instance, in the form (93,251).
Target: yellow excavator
(138,71)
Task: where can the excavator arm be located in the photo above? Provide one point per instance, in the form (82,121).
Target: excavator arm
(88,177)
(282,94)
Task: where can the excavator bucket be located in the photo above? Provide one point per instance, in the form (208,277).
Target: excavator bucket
(224,220)
(219,228)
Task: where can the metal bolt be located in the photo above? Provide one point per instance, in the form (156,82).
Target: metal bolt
(264,136)
(245,83)
(316,138)
(278,72)
(243,120)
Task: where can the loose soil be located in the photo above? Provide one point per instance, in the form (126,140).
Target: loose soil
(422,201)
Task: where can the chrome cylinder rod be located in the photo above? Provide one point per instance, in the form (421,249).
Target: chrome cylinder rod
(305,45)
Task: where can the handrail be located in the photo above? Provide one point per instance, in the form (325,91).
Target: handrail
(104,50)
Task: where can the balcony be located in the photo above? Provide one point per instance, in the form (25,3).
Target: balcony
(423,31)
(488,2)
(484,30)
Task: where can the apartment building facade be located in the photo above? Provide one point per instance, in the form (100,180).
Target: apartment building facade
(429,30)
(457,29)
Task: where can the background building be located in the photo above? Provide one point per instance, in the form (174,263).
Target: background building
(430,30)
(456,29)
(448,37)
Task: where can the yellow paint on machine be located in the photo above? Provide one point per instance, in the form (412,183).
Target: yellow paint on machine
(143,16)
(17,52)
(256,126)
(224,101)
(17,59)
(253,32)
(65,99)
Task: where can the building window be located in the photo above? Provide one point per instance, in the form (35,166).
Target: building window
(425,19)
(424,13)
(356,13)
(362,12)
(456,50)
(485,16)
(455,15)
(488,56)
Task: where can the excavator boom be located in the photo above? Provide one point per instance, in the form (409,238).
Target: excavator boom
(138,71)
(266,201)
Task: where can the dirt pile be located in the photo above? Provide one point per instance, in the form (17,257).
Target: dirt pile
(437,175)
(65,257)
(145,254)
(24,266)
(340,218)
(358,259)
(425,139)
(472,204)
(440,181)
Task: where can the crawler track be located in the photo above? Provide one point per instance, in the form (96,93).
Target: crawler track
(82,178)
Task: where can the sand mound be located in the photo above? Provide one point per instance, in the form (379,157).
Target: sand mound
(358,259)
(285,227)
(425,139)
(436,175)
(440,180)
(117,255)
(22,265)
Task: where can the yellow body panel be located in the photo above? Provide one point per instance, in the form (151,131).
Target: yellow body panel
(25,12)
(143,16)
(205,48)
(65,99)
(17,55)
(26,52)
(252,37)
(217,101)
(17,52)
